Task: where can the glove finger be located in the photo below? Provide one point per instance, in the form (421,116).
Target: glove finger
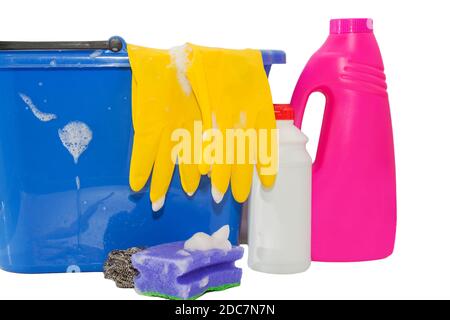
(205,165)
(267,148)
(162,171)
(220,170)
(190,178)
(242,171)
(142,159)
(188,167)
(220,180)
(241,181)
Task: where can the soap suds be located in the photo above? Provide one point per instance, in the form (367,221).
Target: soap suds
(157,205)
(75,137)
(77,182)
(222,234)
(42,116)
(217,195)
(183,253)
(180,59)
(204,242)
(204,282)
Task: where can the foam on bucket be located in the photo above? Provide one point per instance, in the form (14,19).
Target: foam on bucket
(42,116)
(75,137)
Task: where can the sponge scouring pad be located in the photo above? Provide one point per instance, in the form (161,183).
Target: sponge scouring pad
(172,272)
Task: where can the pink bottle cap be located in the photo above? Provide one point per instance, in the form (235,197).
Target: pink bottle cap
(340,26)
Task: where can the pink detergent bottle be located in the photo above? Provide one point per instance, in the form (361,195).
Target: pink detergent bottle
(354,188)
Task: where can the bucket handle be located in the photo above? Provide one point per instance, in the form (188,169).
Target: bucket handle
(114,44)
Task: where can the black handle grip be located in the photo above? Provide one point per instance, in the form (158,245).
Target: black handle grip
(114,44)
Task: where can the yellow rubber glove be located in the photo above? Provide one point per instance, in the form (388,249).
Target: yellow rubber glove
(233,92)
(162,101)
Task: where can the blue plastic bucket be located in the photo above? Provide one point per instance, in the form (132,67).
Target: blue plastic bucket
(65,201)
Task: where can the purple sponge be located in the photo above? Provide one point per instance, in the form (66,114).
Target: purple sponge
(169,271)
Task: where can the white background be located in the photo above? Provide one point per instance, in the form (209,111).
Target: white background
(414,39)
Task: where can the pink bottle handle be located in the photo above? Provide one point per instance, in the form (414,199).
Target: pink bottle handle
(301,97)
(299,104)
(307,84)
